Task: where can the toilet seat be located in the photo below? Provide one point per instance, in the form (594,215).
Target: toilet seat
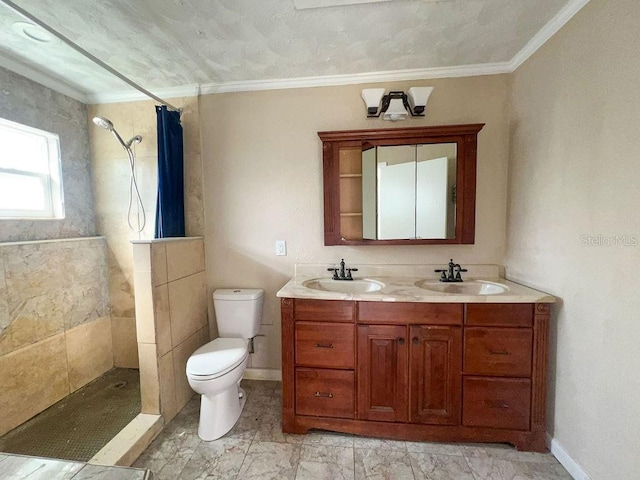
(216,358)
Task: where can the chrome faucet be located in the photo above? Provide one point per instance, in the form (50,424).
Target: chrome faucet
(452,274)
(342,273)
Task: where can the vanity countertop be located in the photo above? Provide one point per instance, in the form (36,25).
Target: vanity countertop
(401,284)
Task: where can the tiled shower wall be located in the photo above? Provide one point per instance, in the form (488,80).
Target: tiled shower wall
(29,103)
(171,319)
(55,329)
(111,189)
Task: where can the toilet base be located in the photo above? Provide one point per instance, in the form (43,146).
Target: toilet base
(219,413)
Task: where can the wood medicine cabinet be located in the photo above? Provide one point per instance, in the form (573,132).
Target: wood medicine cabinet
(400,186)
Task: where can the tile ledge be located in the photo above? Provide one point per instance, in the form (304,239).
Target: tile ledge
(130,442)
(166,240)
(52,240)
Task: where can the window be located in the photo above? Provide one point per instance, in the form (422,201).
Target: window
(30,179)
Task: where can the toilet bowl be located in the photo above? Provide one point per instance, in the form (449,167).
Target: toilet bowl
(215,369)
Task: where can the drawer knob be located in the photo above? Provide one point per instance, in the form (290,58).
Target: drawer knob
(323,394)
(324,345)
(498,352)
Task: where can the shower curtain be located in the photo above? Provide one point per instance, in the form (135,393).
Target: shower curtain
(170,203)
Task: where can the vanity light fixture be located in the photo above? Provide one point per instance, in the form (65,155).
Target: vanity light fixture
(396,105)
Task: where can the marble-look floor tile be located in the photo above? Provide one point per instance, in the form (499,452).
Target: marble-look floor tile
(505,452)
(219,459)
(429,466)
(99,472)
(433,447)
(379,443)
(330,439)
(325,463)
(31,468)
(262,387)
(383,464)
(168,454)
(491,468)
(272,432)
(270,460)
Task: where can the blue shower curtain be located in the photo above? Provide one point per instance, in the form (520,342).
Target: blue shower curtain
(170,203)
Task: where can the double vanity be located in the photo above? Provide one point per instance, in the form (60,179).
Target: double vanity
(396,353)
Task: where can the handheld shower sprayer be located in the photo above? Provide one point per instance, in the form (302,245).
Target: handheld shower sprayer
(108,125)
(133,184)
(103,123)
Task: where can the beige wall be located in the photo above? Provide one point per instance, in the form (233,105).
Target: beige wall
(262,169)
(574,172)
(171,318)
(55,330)
(111,188)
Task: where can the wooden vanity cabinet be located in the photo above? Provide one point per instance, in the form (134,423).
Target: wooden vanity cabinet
(416,371)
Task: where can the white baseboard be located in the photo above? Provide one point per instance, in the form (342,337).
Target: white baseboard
(558,451)
(262,374)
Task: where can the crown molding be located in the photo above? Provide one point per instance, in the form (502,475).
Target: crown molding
(358,78)
(565,14)
(192,90)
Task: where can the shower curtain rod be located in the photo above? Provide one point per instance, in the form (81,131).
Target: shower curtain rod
(88,55)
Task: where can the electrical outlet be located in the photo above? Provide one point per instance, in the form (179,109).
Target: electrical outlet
(281,247)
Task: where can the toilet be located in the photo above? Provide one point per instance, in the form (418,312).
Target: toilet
(215,369)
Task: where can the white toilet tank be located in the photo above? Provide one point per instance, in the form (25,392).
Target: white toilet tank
(238,311)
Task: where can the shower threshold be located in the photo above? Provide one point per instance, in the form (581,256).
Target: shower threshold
(79,425)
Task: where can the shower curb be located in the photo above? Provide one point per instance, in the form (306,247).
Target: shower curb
(132,440)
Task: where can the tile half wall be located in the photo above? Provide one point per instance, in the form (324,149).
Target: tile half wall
(55,328)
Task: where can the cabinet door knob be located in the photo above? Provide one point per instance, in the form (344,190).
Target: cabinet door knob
(324,345)
(323,394)
(415,340)
(401,340)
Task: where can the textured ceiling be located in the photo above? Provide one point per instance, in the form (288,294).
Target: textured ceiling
(172,43)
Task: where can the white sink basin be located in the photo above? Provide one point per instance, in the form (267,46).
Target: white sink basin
(343,286)
(473,287)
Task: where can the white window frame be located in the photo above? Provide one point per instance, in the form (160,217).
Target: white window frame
(51,181)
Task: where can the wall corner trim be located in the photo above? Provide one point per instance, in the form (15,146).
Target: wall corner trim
(549,30)
(558,451)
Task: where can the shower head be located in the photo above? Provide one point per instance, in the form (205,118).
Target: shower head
(107,125)
(103,123)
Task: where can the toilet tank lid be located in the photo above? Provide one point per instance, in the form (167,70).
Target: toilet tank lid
(238,293)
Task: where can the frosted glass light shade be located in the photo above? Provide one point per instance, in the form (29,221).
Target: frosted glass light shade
(418,97)
(372,98)
(396,111)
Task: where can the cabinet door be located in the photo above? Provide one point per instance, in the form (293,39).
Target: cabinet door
(435,370)
(382,373)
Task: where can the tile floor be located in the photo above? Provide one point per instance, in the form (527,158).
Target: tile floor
(256,448)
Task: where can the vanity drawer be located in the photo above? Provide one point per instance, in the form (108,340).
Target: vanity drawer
(326,393)
(410,312)
(497,351)
(324,310)
(329,345)
(496,402)
(499,314)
